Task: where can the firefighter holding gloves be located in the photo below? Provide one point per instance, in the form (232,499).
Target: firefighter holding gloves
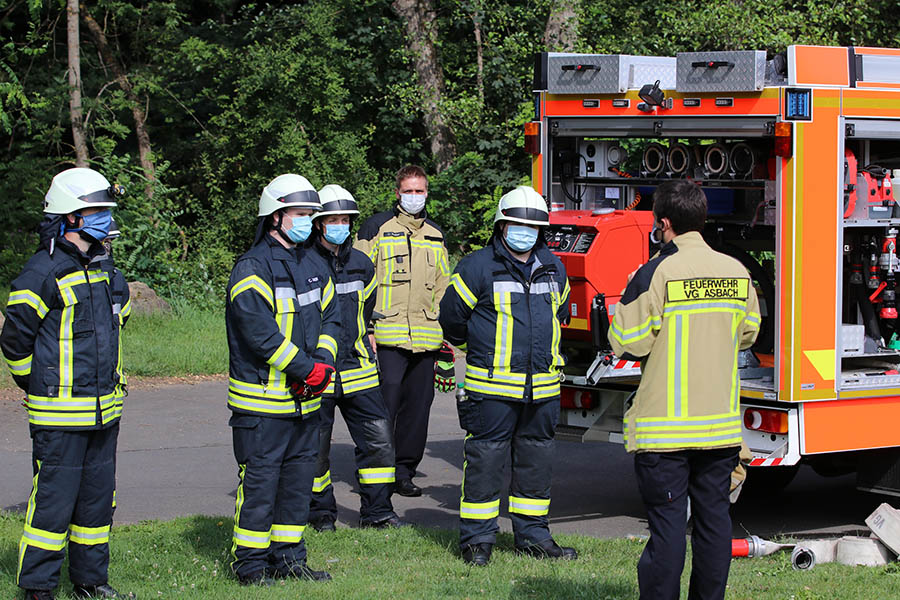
(61,342)
(685,314)
(354,388)
(505,303)
(411,271)
(283,325)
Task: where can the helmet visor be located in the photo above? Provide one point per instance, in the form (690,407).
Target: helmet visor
(304,197)
(528,214)
(99,198)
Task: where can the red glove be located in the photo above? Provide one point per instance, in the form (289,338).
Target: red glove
(319,378)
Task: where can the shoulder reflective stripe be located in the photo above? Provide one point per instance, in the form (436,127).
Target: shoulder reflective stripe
(479,510)
(310,297)
(283,355)
(29,298)
(370,287)
(327,294)
(544,287)
(529,506)
(706,288)
(255,283)
(19,367)
(349,287)
(462,290)
(320,484)
(376,475)
(88,536)
(634,334)
(251,539)
(289,534)
(328,343)
(283,293)
(46,540)
(508,287)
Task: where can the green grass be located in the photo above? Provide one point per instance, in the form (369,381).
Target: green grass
(188,558)
(186,341)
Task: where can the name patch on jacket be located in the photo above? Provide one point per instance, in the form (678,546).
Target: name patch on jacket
(312,280)
(708,288)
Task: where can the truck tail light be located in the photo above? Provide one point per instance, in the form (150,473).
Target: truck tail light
(533,137)
(783,139)
(763,419)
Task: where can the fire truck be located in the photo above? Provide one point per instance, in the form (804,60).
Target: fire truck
(799,156)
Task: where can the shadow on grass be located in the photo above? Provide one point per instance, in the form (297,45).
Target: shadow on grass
(561,589)
(210,537)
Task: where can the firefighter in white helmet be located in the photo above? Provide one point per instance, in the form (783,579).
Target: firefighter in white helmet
(355,386)
(282,323)
(506,303)
(61,343)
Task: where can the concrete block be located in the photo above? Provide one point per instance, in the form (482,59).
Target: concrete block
(885,524)
(868,552)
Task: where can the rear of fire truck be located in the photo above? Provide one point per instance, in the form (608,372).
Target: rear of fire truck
(799,156)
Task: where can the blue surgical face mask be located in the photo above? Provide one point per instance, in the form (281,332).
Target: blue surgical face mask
(521,238)
(337,233)
(300,229)
(95,225)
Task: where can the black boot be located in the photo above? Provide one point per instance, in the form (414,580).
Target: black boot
(323,524)
(391,522)
(258,578)
(38,595)
(104,590)
(548,549)
(477,555)
(300,571)
(405,487)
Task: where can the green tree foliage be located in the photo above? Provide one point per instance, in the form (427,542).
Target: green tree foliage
(237,93)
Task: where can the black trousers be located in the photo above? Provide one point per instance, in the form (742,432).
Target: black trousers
(407,385)
(666,480)
(368,423)
(276,460)
(72,496)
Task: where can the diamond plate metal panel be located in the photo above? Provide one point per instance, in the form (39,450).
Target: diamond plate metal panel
(606,73)
(735,71)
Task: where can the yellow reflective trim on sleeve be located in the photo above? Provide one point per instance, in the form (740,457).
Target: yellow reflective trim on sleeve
(253,282)
(29,298)
(20,367)
(126,310)
(370,288)
(708,288)
(329,343)
(88,536)
(632,334)
(327,294)
(462,290)
(283,355)
(536,507)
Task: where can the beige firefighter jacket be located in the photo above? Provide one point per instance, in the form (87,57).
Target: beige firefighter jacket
(685,315)
(412,273)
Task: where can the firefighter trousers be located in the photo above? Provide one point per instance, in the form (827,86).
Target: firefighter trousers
(407,386)
(367,420)
(496,431)
(666,480)
(276,460)
(72,495)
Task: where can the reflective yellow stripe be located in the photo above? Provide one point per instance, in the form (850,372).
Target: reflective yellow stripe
(327,294)
(320,484)
(328,343)
(270,392)
(479,510)
(283,355)
(255,283)
(504,330)
(370,288)
(677,366)
(238,504)
(29,298)
(391,333)
(46,540)
(66,351)
(686,432)
(251,539)
(289,534)
(89,536)
(261,406)
(462,290)
(634,334)
(20,367)
(536,507)
(361,323)
(359,385)
(126,310)
(374,475)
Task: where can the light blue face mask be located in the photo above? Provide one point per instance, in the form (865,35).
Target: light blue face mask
(300,229)
(96,225)
(521,238)
(337,233)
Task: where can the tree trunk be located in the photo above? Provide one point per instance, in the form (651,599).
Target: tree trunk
(477,17)
(561,32)
(76,114)
(421,32)
(137,110)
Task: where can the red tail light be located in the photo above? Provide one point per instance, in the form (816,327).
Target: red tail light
(784,139)
(763,419)
(533,137)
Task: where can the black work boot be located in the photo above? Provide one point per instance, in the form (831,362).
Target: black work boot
(38,595)
(104,590)
(405,487)
(323,524)
(477,555)
(299,570)
(548,549)
(391,522)
(257,578)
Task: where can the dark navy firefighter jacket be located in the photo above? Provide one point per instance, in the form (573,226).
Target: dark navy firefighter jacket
(509,316)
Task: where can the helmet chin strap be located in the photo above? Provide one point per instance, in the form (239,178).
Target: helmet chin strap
(277,226)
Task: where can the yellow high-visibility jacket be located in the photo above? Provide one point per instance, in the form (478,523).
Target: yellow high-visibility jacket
(685,315)
(412,273)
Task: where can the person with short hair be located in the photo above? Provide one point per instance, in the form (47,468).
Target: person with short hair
(685,315)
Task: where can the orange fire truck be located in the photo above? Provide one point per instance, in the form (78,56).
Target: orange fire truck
(799,156)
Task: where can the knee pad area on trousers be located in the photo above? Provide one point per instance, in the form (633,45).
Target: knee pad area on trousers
(380,450)
(483,472)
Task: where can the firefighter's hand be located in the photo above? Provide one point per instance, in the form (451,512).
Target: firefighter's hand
(372,343)
(444,373)
(319,378)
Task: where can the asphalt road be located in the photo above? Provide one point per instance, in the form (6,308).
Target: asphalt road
(175,459)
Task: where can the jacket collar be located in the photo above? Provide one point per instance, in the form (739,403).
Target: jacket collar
(409,221)
(278,251)
(540,255)
(342,256)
